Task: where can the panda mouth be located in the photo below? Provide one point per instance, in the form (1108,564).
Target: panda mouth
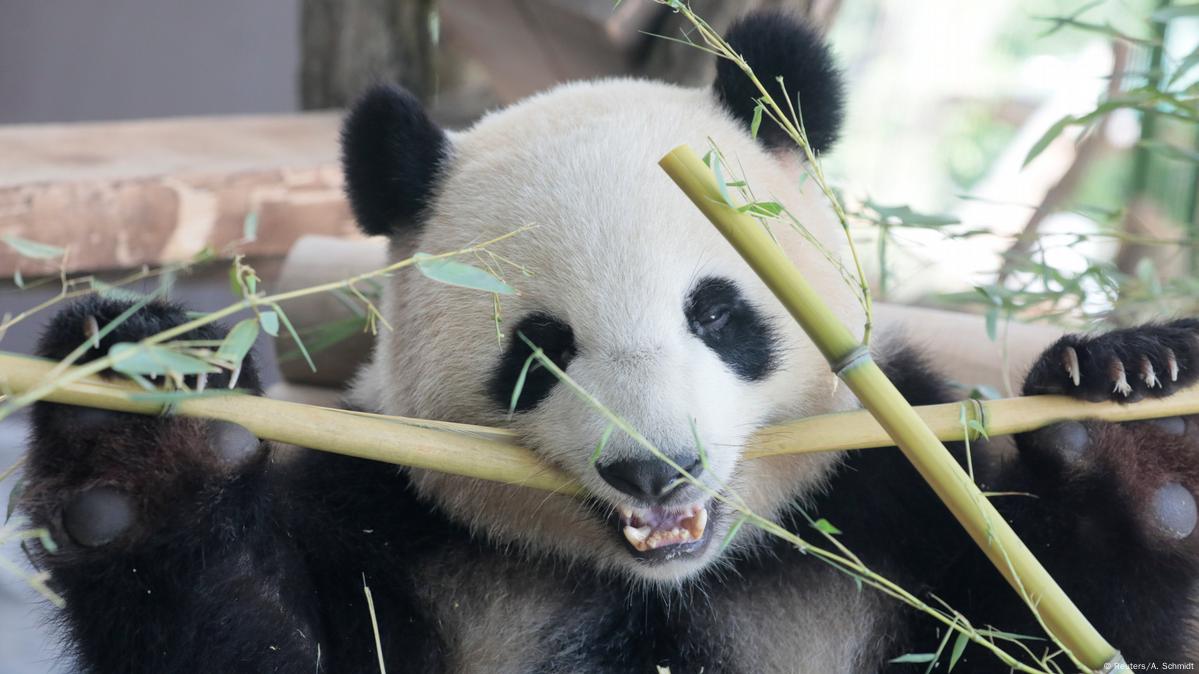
(661,533)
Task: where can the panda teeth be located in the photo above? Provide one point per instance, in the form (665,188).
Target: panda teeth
(637,536)
(685,526)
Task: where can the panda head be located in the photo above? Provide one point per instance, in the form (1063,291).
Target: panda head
(623,283)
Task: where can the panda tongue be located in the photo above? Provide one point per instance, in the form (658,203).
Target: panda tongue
(654,528)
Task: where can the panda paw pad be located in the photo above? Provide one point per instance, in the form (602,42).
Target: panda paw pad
(1143,475)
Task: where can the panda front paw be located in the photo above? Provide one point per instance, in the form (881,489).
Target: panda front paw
(95,477)
(1123,365)
(1113,483)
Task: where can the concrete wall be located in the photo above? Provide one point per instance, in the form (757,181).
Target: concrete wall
(72,60)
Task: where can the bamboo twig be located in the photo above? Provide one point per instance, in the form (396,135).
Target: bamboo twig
(851,361)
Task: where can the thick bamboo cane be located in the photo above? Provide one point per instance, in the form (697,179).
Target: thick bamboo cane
(877,394)
(492,453)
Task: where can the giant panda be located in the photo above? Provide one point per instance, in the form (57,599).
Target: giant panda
(184,547)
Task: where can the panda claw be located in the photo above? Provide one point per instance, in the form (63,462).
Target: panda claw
(91,331)
(1172,364)
(1070,358)
(1120,378)
(1148,374)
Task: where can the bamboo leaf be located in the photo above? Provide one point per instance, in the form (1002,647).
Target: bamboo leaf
(959,646)
(824,526)
(905,216)
(757,121)
(728,538)
(14,497)
(603,442)
(239,341)
(270,322)
(32,249)
(720,183)
(1177,12)
(915,658)
(1048,137)
(1188,62)
(992,319)
(155,360)
(520,386)
(455,273)
(295,336)
(249,226)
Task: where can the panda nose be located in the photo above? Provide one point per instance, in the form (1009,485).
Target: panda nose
(650,479)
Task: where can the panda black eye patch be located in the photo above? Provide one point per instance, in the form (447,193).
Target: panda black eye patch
(723,320)
(553,337)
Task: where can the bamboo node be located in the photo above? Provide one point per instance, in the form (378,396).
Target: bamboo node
(859,356)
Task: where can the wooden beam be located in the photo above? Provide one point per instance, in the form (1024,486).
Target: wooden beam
(120,195)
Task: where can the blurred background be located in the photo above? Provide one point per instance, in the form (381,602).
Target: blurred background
(1027,160)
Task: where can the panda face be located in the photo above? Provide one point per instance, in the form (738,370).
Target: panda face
(629,290)
(625,286)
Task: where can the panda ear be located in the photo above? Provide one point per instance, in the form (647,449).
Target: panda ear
(777,44)
(392,155)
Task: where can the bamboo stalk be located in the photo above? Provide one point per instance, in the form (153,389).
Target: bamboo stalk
(483,446)
(472,451)
(877,394)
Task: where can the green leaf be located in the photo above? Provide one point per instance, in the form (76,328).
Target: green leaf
(520,386)
(757,120)
(959,645)
(295,336)
(155,360)
(1188,62)
(249,226)
(1048,137)
(32,249)
(768,209)
(728,538)
(724,188)
(1171,151)
(824,526)
(270,322)
(1177,12)
(239,341)
(915,658)
(455,273)
(905,216)
(603,442)
(14,497)
(992,323)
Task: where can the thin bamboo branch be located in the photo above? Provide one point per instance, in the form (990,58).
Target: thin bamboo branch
(849,358)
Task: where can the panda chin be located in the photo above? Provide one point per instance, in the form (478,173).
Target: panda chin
(662,534)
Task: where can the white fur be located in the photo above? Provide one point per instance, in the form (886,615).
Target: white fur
(615,249)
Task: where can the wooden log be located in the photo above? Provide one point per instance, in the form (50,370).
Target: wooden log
(124,194)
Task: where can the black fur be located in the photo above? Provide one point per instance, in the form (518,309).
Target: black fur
(392,155)
(719,315)
(247,567)
(547,333)
(1131,350)
(776,44)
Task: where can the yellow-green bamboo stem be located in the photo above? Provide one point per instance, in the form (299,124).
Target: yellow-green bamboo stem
(824,433)
(453,448)
(878,395)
